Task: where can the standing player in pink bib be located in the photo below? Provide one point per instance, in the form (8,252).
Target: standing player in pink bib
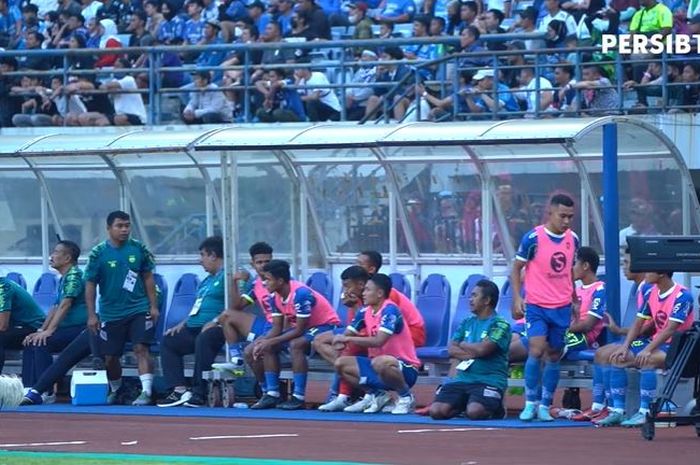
(546,254)
(306,314)
(670,306)
(392,364)
(240,325)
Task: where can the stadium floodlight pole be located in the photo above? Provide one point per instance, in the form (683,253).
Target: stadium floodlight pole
(611,220)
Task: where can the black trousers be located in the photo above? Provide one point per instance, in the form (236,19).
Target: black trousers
(319,111)
(204,345)
(12,339)
(81,347)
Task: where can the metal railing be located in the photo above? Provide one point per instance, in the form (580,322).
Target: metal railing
(337,57)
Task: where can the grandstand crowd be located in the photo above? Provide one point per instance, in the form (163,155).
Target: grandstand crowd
(376,340)
(542,72)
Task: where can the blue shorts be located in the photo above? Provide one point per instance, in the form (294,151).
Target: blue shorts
(518,328)
(549,322)
(259,327)
(639,345)
(310,334)
(370,378)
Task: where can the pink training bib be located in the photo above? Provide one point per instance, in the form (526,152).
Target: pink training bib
(548,276)
(661,310)
(262,296)
(585,295)
(322,313)
(399,345)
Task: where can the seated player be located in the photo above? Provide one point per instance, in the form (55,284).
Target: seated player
(354,279)
(241,326)
(198,334)
(670,306)
(371,261)
(20,316)
(480,344)
(601,368)
(392,364)
(584,332)
(65,321)
(307,314)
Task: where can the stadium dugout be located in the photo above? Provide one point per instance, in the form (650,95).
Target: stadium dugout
(449,199)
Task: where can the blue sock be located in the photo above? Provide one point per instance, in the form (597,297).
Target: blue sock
(598,384)
(606,384)
(272,382)
(335,385)
(405,392)
(550,379)
(299,385)
(647,387)
(234,351)
(532,378)
(618,387)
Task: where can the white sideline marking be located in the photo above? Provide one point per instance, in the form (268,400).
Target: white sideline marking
(129,443)
(246,436)
(444,430)
(41,444)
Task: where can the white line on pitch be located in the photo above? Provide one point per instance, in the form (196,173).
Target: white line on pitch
(246,436)
(444,430)
(41,444)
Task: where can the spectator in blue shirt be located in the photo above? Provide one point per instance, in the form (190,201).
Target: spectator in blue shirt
(210,10)
(469,43)
(211,57)
(480,98)
(467,15)
(194,27)
(232,12)
(10,24)
(284,16)
(172,27)
(280,104)
(397,11)
(422,52)
(256,12)
(76,26)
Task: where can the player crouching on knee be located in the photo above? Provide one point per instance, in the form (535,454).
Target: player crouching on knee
(480,346)
(392,364)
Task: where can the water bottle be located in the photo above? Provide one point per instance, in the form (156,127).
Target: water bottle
(240,405)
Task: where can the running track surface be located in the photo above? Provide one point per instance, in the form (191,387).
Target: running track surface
(345,441)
